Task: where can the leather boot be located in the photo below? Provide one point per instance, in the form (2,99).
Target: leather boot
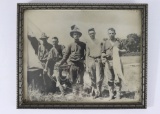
(97,92)
(118,92)
(81,90)
(92,91)
(74,90)
(111,92)
(61,90)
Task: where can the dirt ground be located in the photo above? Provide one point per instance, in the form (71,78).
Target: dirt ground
(129,93)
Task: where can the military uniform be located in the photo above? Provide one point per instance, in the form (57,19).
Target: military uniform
(54,56)
(107,49)
(43,52)
(94,64)
(76,55)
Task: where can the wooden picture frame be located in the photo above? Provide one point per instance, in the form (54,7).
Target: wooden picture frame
(81,17)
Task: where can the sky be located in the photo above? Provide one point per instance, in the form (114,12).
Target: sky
(58,23)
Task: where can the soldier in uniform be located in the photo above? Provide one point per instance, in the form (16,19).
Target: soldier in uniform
(94,63)
(76,54)
(111,50)
(43,51)
(54,56)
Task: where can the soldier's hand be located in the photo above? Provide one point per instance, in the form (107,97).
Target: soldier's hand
(57,64)
(44,71)
(103,58)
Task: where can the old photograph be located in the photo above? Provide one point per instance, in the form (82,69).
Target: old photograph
(83,56)
(75,57)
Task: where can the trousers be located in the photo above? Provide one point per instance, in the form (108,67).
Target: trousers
(110,74)
(95,72)
(76,72)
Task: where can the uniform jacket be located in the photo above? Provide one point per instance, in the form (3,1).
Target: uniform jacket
(43,52)
(107,47)
(56,53)
(75,52)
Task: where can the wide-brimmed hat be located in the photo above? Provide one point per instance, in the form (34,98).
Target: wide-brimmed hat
(43,36)
(74,29)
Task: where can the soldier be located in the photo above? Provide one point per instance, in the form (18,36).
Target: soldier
(113,67)
(76,55)
(54,56)
(43,51)
(94,63)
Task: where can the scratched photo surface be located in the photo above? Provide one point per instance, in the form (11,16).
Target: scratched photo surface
(82,56)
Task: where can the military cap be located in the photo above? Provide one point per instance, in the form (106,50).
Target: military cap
(74,29)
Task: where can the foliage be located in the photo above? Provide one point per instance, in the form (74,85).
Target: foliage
(132,43)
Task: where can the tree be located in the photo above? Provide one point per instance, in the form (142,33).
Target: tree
(133,43)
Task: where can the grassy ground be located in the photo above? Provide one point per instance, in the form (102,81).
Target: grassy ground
(131,92)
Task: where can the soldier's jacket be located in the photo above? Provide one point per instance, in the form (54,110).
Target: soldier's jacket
(75,52)
(114,62)
(56,53)
(107,47)
(43,52)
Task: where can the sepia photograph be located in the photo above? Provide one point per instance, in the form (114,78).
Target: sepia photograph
(78,57)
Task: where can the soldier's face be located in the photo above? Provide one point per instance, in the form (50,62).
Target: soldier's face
(92,34)
(111,34)
(75,35)
(54,41)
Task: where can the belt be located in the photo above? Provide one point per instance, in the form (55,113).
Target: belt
(77,62)
(109,58)
(94,57)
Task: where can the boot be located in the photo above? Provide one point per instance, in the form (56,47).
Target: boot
(111,92)
(74,90)
(81,90)
(118,95)
(97,93)
(99,90)
(61,90)
(118,92)
(92,91)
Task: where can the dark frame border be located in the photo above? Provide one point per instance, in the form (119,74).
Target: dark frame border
(21,7)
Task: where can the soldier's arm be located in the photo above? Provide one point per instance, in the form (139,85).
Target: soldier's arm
(87,54)
(50,56)
(39,52)
(49,48)
(103,48)
(121,50)
(46,55)
(103,52)
(85,49)
(66,55)
(60,56)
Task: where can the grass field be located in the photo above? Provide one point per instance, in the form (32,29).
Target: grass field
(131,92)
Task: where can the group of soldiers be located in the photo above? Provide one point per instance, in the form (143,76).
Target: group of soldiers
(97,58)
